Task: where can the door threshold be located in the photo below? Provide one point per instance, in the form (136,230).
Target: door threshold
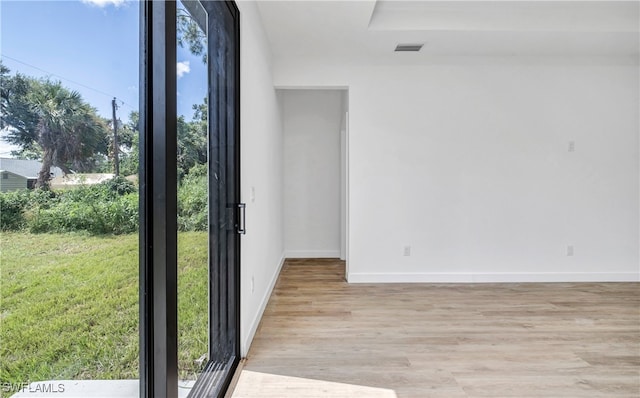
(234,379)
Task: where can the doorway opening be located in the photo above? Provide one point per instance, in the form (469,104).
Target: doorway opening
(315,127)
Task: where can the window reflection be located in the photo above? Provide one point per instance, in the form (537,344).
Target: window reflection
(193,192)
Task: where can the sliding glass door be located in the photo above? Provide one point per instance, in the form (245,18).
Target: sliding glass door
(190,183)
(218,20)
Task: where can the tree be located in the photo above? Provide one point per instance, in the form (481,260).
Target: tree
(129,138)
(192,135)
(44,117)
(190,34)
(69,131)
(192,146)
(17,114)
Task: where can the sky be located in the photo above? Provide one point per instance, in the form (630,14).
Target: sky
(91,46)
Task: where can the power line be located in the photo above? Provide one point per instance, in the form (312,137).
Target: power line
(67,79)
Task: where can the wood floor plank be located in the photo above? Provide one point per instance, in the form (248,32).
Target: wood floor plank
(321,337)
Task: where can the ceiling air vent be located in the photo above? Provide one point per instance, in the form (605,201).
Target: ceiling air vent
(409,47)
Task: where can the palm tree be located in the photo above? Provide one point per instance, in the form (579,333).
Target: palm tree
(69,131)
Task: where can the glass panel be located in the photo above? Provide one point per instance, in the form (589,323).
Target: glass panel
(224,154)
(69,216)
(193,193)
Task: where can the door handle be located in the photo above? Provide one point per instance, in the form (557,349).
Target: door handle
(242,230)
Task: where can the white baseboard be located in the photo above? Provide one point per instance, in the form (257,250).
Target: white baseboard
(253,327)
(493,277)
(312,254)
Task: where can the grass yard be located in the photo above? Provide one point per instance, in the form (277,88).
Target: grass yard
(69,306)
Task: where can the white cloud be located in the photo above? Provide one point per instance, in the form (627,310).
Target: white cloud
(183,68)
(104,3)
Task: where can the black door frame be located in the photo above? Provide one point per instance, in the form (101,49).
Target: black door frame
(158,209)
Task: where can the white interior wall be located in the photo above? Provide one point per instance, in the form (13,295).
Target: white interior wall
(343,174)
(469,164)
(262,248)
(466,160)
(312,124)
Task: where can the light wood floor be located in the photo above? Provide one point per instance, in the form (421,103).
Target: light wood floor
(321,337)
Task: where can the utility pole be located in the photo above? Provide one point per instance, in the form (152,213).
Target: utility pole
(116,160)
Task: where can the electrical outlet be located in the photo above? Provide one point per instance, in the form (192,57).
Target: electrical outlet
(570,250)
(572,146)
(252,285)
(406,251)
(253,194)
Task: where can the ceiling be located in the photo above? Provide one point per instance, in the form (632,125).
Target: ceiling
(370,30)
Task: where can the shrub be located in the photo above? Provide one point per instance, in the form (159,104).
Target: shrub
(87,209)
(119,185)
(110,207)
(193,200)
(120,216)
(12,206)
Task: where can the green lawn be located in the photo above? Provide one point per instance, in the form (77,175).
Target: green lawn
(69,306)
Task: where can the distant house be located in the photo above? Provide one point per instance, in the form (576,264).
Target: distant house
(19,173)
(12,181)
(76,180)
